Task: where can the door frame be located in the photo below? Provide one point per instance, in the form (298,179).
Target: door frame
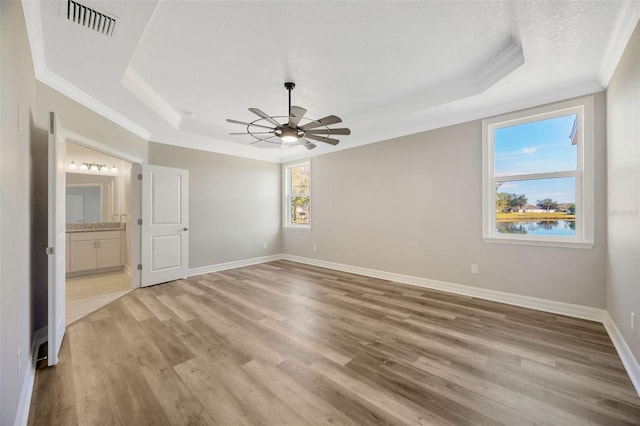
(136,193)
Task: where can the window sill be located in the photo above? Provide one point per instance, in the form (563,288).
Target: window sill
(298,227)
(540,242)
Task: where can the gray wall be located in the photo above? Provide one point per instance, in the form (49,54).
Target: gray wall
(412,205)
(234,204)
(623,170)
(17,89)
(23,202)
(85,122)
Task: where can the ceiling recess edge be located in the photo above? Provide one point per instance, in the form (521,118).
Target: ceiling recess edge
(33,23)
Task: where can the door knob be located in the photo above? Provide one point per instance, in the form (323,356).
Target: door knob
(185,229)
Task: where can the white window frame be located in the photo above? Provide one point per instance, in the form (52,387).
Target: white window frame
(286,168)
(584,174)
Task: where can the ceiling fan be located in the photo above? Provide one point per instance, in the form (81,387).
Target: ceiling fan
(296,131)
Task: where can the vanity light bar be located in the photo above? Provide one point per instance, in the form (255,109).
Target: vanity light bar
(94,167)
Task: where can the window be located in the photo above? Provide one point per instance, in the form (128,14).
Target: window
(297,195)
(538,176)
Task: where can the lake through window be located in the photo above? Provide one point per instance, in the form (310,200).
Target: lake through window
(538,176)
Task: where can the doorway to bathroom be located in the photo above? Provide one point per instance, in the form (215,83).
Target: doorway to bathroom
(98,201)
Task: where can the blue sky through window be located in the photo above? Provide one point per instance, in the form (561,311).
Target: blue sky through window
(537,147)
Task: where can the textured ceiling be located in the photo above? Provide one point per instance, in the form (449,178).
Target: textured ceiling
(175,70)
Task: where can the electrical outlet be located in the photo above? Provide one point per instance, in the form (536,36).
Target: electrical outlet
(315,247)
(19,365)
(633,321)
(264,245)
(474,268)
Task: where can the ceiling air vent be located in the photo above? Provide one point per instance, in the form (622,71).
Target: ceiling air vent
(91,18)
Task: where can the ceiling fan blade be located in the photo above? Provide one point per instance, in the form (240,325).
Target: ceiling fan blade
(249,124)
(252,133)
(330,141)
(259,113)
(328,132)
(306,143)
(296,115)
(326,121)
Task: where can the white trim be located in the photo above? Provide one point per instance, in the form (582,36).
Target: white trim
(140,88)
(628,360)
(24,403)
(99,146)
(233,264)
(54,81)
(584,173)
(568,309)
(499,66)
(572,310)
(42,73)
(286,199)
(626,22)
(539,241)
(545,305)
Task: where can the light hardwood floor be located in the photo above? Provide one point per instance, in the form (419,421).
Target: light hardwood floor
(284,343)
(88,293)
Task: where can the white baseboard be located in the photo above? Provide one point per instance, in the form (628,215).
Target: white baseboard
(628,360)
(568,309)
(578,311)
(545,305)
(22,416)
(234,264)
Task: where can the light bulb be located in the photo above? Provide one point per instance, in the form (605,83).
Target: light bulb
(73,166)
(84,166)
(114,169)
(289,135)
(94,168)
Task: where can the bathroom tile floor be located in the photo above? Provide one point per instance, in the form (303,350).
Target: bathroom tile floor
(88,293)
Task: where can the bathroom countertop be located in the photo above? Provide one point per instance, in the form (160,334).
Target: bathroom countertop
(95,227)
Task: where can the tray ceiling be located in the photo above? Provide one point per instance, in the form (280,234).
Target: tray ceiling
(174,71)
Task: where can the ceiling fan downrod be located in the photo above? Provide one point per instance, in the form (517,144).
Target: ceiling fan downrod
(289,86)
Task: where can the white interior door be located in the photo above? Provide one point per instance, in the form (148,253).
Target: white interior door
(56,246)
(165,224)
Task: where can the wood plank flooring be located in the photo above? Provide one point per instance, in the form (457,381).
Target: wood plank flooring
(283,343)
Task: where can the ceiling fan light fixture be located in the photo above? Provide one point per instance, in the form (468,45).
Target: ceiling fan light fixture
(291,132)
(289,135)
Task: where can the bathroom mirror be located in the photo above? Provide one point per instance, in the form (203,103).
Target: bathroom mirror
(84,203)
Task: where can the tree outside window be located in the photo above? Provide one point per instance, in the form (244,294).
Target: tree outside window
(298,195)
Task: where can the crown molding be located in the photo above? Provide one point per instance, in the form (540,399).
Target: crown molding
(499,66)
(141,89)
(202,128)
(465,115)
(33,23)
(623,28)
(54,81)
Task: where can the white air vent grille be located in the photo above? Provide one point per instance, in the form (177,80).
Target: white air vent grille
(91,18)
